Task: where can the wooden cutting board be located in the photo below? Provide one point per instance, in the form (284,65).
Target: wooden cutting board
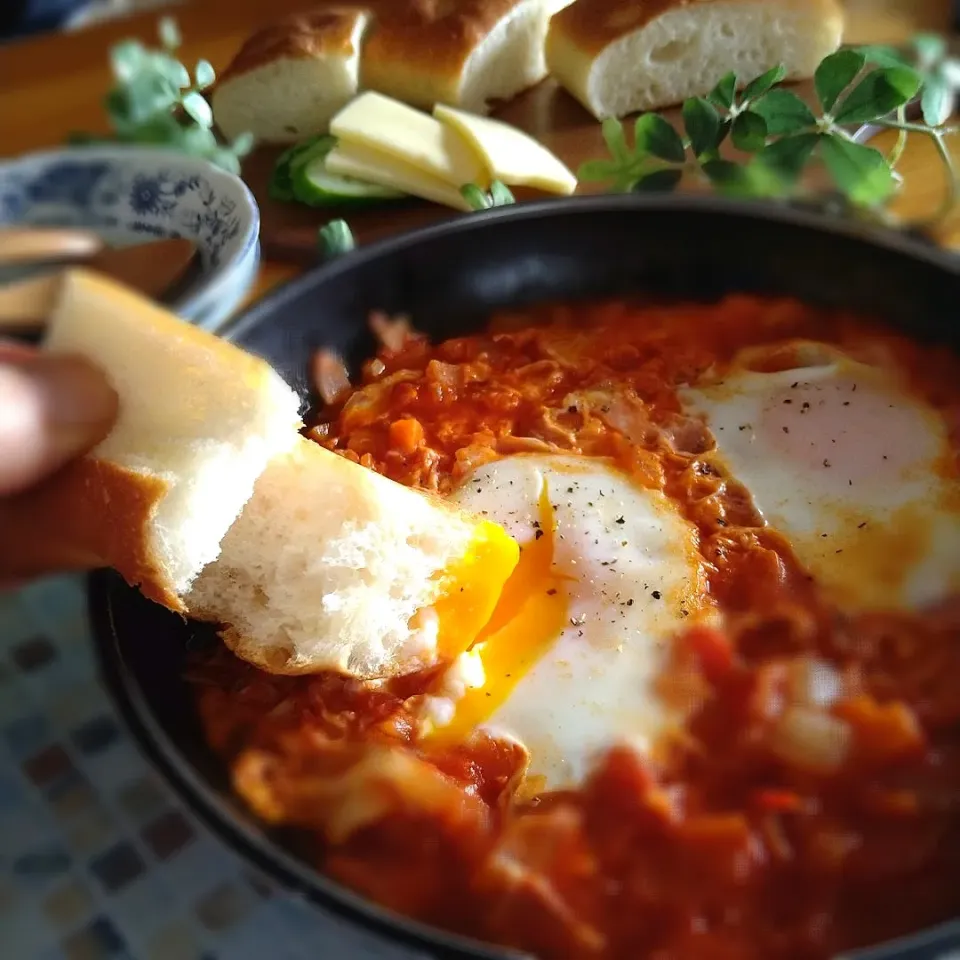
(547,112)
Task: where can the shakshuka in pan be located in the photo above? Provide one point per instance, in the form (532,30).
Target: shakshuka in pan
(716,714)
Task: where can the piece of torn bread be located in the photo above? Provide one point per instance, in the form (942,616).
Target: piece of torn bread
(465,53)
(291,77)
(207,497)
(623,56)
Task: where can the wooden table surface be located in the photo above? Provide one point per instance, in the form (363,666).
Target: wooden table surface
(54,84)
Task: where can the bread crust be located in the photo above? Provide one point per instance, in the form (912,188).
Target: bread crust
(417,49)
(327,32)
(591,25)
(92,513)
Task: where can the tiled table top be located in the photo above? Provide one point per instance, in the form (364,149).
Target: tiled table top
(98,859)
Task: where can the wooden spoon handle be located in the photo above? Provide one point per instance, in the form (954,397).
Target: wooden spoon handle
(30,244)
(26,304)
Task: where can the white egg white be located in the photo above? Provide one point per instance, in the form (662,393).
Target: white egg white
(851,468)
(629,567)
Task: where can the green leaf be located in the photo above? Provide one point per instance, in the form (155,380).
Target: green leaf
(859,172)
(243,144)
(930,47)
(949,73)
(749,132)
(126,59)
(760,85)
(224,158)
(879,93)
(200,141)
(655,136)
(883,56)
(615,140)
(702,123)
(335,239)
(501,195)
(784,112)
(169,33)
(737,180)
(659,181)
(936,102)
(198,108)
(475,197)
(835,74)
(787,156)
(598,171)
(170,69)
(724,93)
(204,74)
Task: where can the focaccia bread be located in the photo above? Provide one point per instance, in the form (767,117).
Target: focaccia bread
(466,53)
(291,77)
(623,56)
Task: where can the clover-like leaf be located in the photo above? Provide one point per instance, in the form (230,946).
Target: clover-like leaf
(169,33)
(724,94)
(784,112)
(881,55)
(936,102)
(835,74)
(760,85)
(702,123)
(739,180)
(930,48)
(787,156)
(597,171)
(242,144)
(335,239)
(657,137)
(663,180)
(204,74)
(614,138)
(749,132)
(879,93)
(126,59)
(859,172)
(198,108)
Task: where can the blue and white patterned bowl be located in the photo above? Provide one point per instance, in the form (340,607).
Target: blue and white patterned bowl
(133,194)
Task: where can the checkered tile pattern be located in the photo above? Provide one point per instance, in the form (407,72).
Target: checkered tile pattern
(98,859)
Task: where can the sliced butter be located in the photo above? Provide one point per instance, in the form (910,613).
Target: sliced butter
(415,138)
(511,155)
(364,163)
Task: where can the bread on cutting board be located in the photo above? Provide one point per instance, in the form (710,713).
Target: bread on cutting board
(291,77)
(206,496)
(465,53)
(623,56)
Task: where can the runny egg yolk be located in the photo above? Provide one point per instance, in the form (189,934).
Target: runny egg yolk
(530,614)
(569,665)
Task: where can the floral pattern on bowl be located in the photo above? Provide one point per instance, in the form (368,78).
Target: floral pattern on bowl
(131,194)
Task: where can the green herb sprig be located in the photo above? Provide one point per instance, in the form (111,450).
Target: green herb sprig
(781,136)
(335,238)
(155,100)
(499,195)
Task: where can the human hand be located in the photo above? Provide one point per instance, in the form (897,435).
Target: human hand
(52,409)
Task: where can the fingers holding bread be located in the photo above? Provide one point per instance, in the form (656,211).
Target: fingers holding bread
(206,496)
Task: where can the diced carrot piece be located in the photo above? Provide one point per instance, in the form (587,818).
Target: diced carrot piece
(712,649)
(406,435)
(884,732)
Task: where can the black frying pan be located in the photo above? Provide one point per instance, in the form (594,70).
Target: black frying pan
(449,278)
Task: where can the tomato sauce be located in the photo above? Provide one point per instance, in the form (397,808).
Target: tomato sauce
(811,804)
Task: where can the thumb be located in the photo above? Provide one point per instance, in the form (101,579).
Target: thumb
(52,408)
